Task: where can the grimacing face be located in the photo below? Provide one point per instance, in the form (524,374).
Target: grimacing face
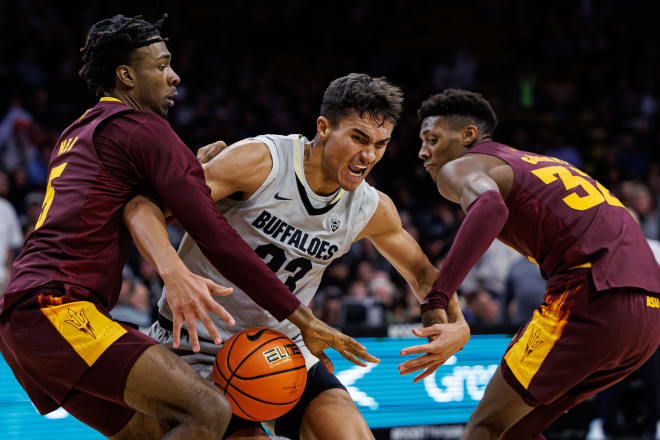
(156,81)
(352,148)
(440,144)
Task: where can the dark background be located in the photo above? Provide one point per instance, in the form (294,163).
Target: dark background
(575,79)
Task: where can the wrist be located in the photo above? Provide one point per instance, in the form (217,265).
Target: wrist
(434,316)
(171,269)
(302,317)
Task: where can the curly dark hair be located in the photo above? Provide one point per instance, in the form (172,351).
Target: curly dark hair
(110,43)
(461,107)
(378,98)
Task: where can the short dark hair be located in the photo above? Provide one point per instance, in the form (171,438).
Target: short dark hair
(358,92)
(461,107)
(110,43)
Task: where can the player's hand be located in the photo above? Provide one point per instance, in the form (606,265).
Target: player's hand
(444,341)
(208,152)
(318,336)
(189,298)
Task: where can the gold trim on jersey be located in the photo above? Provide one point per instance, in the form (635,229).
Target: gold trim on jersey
(110,98)
(89,332)
(579,266)
(546,326)
(297,167)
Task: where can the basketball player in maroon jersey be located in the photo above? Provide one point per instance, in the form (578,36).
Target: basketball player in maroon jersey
(55,330)
(600,319)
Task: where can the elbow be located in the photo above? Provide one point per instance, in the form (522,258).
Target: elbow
(131,209)
(500,210)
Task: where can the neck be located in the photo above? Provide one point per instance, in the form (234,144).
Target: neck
(126,98)
(313,165)
(480,140)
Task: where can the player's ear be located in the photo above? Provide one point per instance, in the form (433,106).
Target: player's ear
(125,75)
(323,127)
(470,133)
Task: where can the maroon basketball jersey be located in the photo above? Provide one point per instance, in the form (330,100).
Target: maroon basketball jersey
(72,242)
(561,218)
(103,160)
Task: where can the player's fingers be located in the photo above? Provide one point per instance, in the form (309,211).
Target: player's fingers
(349,357)
(425,332)
(415,364)
(208,152)
(429,371)
(325,361)
(416,349)
(362,353)
(216,308)
(217,289)
(201,154)
(210,327)
(191,324)
(353,344)
(416,368)
(176,328)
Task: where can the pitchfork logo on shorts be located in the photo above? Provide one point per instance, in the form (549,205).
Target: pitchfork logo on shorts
(80,322)
(334,223)
(532,342)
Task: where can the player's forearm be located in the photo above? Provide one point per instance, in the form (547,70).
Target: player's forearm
(146,223)
(421,285)
(484,221)
(301,317)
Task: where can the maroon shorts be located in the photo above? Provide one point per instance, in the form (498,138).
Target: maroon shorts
(65,352)
(579,342)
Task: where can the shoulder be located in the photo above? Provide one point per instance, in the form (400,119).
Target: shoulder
(452,176)
(244,166)
(137,122)
(248,152)
(472,171)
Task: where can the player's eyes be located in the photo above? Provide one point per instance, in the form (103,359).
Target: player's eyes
(359,139)
(162,67)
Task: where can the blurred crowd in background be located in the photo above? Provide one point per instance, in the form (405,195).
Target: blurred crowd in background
(575,79)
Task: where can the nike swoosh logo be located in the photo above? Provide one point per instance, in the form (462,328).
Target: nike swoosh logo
(256,336)
(278,197)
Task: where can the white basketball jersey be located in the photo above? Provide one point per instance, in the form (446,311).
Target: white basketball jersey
(295,231)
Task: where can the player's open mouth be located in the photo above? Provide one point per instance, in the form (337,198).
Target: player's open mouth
(357,170)
(170,99)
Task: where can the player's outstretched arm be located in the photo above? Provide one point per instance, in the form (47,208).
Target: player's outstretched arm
(188,295)
(463,181)
(446,329)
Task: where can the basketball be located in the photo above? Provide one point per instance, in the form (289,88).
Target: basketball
(262,372)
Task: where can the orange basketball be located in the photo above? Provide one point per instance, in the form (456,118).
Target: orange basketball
(262,372)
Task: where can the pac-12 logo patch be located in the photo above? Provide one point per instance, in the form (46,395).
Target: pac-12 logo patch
(333,223)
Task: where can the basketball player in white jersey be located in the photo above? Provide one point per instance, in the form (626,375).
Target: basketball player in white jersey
(300,204)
